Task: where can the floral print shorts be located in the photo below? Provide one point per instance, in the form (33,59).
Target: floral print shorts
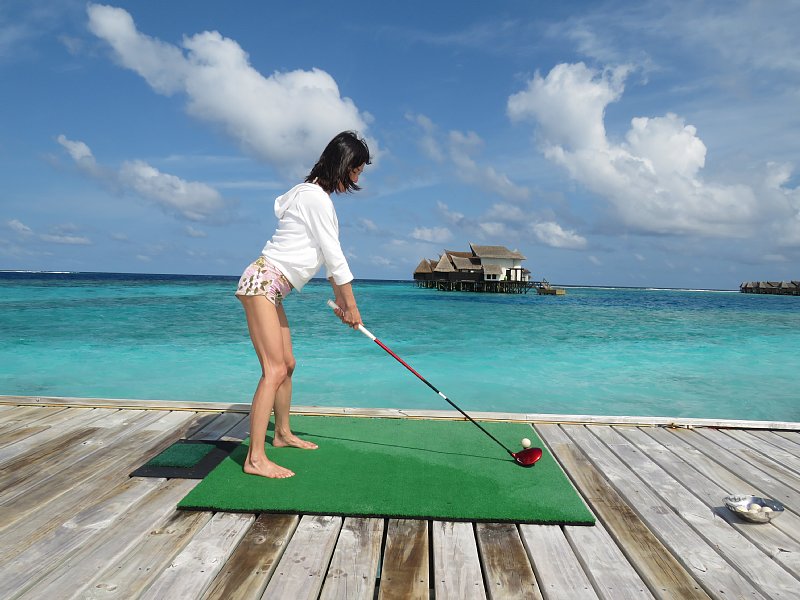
(262,278)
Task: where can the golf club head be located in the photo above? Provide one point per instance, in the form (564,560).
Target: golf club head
(527,457)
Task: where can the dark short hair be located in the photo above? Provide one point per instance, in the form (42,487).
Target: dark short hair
(345,152)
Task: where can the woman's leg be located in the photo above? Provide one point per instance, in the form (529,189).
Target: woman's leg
(283,397)
(265,332)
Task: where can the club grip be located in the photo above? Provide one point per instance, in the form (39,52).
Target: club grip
(361,328)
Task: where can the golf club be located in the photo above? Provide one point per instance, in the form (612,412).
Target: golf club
(525,458)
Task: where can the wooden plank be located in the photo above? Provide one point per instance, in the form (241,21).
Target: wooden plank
(456,565)
(12,437)
(771,540)
(404,575)
(740,552)
(127,576)
(611,574)
(40,510)
(792,436)
(659,569)
(193,570)
(239,432)
(789,459)
(70,577)
(218,426)
(771,466)
(354,567)
(781,441)
(21,416)
(301,570)
(59,416)
(18,415)
(723,469)
(767,482)
(645,421)
(21,468)
(125,403)
(38,559)
(506,567)
(77,420)
(558,570)
(62,454)
(709,568)
(247,571)
(401,413)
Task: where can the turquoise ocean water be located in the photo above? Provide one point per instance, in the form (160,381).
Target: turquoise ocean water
(593,351)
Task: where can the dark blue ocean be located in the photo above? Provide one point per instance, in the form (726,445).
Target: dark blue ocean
(598,351)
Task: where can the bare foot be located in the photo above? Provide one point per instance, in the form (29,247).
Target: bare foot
(266,468)
(292,440)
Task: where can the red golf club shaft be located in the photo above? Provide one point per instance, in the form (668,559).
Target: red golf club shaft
(366,332)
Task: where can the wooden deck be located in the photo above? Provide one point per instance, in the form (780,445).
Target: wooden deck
(74,525)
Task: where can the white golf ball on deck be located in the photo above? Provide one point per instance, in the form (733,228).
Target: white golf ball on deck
(526,443)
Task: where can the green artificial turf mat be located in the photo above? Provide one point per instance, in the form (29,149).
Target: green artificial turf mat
(181,455)
(187,459)
(404,468)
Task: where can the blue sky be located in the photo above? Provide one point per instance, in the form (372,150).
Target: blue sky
(646,144)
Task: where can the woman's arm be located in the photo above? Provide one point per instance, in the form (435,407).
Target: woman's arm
(346,301)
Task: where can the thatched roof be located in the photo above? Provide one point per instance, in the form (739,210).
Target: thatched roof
(444,265)
(484,252)
(424,266)
(493,270)
(458,253)
(464,264)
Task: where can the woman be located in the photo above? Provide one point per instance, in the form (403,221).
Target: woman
(307,237)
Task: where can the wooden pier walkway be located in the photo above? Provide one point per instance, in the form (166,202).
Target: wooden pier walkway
(73,524)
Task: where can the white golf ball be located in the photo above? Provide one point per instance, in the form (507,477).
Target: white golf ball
(526,443)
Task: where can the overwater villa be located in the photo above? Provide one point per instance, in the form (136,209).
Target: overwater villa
(782,288)
(483,269)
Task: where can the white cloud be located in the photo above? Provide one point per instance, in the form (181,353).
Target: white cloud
(285,119)
(462,147)
(439,235)
(72,240)
(652,179)
(452,217)
(552,234)
(381,261)
(195,233)
(502,223)
(493,229)
(192,200)
(19,227)
(60,234)
(594,260)
(428,143)
(506,212)
(459,149)
(367,225)
(82,155)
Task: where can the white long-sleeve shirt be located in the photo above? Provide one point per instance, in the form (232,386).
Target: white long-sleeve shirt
(307,237)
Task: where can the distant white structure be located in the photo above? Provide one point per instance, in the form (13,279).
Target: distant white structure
(484,268)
